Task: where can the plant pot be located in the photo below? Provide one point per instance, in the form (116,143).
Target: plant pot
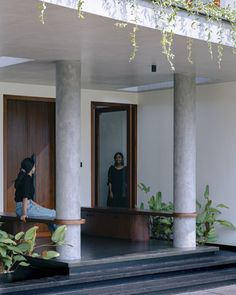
(38,268)
(19,274)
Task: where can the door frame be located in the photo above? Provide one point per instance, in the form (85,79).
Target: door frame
(96,108)
(6,98)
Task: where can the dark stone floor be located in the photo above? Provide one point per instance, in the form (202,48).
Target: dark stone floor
(97,248)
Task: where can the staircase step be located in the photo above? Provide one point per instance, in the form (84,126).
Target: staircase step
(155,285)
(154,268)
(165,256)
(148,275)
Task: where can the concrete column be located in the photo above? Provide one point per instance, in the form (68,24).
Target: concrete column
(184,159)
(68,141)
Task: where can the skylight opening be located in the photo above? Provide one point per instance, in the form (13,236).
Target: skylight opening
(6,61)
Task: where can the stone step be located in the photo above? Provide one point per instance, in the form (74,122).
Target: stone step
(155,276)
(157,256)
(152,284)
(149,268)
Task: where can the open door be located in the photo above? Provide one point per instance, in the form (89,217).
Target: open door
(114,130)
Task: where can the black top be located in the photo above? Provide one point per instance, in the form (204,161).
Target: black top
(25,189)
(118,180)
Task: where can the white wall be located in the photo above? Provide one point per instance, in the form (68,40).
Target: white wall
(86,97)
(155,142)
(216,146)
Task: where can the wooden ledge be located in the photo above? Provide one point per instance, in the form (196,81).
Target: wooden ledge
(185,215)
(69,221)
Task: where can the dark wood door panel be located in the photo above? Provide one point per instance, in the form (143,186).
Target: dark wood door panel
(29,128)
(16,145)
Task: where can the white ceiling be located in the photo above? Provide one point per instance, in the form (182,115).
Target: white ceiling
(102,48)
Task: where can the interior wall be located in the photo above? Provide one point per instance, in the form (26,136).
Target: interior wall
(86,97)
(216,147)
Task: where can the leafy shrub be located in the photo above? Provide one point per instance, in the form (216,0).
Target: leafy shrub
(206,221)
(13,249)
(160,227)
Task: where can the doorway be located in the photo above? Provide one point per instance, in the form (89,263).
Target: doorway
(29,128)
(114,129)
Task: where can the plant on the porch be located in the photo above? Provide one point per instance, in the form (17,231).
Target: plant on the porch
(167,11)
(161,227)
(207,218)
(14,249)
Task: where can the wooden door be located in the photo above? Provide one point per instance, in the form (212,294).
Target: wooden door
(30,129)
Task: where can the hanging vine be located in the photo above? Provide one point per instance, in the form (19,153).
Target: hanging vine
(166,43)
(166,12)
(42,7)
(220,48)
(134,44)
(79,5)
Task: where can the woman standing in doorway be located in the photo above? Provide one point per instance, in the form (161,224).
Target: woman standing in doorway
(25,206)
(117,183)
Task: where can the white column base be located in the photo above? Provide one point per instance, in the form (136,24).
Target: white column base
(71,251)
(185,233)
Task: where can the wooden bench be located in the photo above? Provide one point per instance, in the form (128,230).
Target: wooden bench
(12,223)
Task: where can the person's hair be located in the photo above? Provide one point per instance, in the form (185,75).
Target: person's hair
(119,154)
(26,166)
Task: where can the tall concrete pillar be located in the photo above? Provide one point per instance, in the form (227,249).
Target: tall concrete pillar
(184,161)
(68,141)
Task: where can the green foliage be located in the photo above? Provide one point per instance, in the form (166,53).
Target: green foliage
(13,249)
(167,11)
(207,220)
(160,227)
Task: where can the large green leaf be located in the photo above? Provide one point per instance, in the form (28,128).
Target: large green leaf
(50,254)
(226,223)
(58,236)
(7,262)
(3,234)
(31,233)
(19,235)
(3,251)
(19,258)
(214,210)
(14,249)
(24,247)
(7,241)
(222,206)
